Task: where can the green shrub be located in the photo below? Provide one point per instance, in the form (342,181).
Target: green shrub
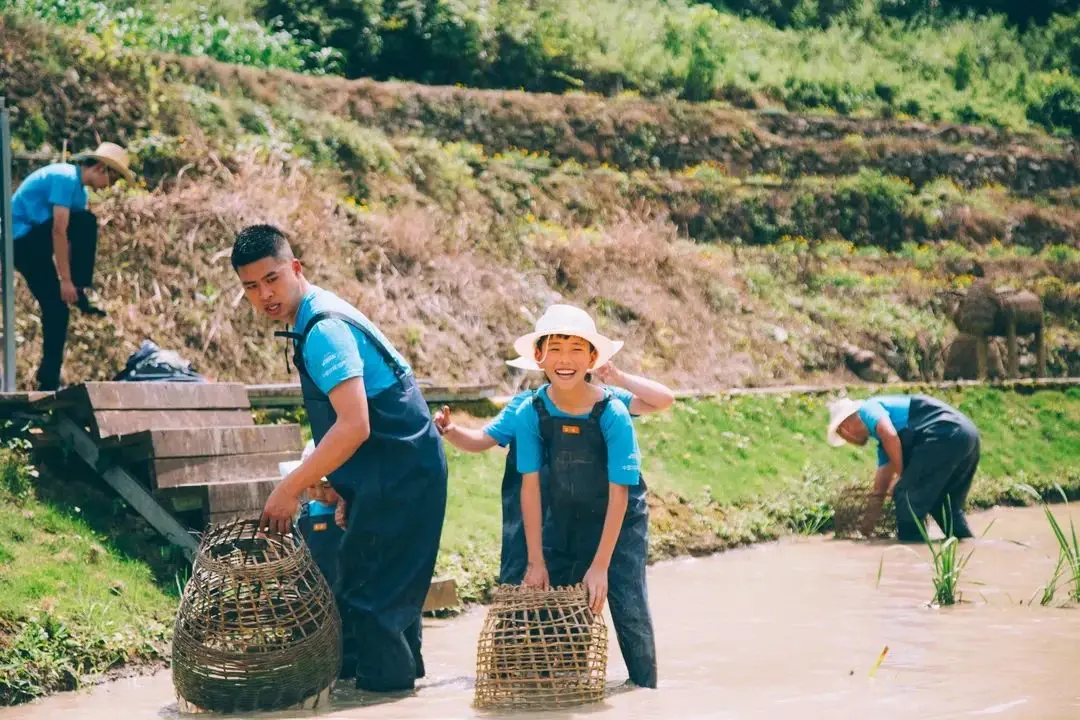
(1057,107)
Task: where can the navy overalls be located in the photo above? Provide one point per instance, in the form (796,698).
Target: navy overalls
(574,478)
(395,487)
(322,535)
(941,453)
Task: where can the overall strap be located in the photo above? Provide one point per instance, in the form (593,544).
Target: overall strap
(543,416)
(298,341)
(600,407)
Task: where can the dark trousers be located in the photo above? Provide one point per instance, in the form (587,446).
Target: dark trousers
(628,594)
(34,260)
(936,482)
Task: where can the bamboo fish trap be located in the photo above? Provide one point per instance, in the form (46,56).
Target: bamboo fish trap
(540,649)
(257,628)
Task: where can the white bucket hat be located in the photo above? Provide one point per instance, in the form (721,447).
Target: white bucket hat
(839,411)
(563,320)
(112,155)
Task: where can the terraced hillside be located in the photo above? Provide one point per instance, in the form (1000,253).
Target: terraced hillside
(727,246)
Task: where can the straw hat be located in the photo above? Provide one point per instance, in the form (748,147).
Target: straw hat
(563,320)
(112,155)
(839,411)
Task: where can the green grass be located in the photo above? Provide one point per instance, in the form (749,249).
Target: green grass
(70,602)
(1069,547)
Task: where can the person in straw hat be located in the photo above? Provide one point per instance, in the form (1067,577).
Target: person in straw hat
(55,239)
(928,452)
(639,395)
(593,525)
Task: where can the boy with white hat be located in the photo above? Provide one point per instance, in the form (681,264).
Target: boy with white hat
(641,396)
(927,456)
(593,527)
(55,242)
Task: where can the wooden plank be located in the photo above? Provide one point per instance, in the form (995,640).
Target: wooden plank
(240,496)
(286,395)
(176,472)
(195,442)
(166,396)
(108,423)
(125,486)
(149,396)
(441,595)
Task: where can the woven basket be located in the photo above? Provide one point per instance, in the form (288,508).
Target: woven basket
(257,628)
(540,649)
(849,507)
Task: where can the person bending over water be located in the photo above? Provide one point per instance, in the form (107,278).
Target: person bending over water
(928,452)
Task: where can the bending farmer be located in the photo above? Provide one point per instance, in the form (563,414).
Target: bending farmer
(377,445)
(927,456)
(593,526)
(49,217)
(641,396)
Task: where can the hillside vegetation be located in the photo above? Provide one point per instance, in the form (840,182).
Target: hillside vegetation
(726,246)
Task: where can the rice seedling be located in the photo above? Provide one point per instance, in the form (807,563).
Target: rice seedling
(1068,546)
(948,563)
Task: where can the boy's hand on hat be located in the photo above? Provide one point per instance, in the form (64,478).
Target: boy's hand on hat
(442,420)
(609,374)
(341,515)
(536,576)
(596,583)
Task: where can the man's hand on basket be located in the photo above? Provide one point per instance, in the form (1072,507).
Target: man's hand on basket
(597,584)
(536,576)
(280,509)
(341,514)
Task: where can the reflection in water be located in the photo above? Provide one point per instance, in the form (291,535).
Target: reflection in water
(783,630)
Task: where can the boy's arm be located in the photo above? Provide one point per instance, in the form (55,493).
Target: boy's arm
(890,443)
(463,438)
(536,574)
(596,578)
(649,395)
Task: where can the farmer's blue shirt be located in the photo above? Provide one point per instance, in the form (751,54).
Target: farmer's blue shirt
(624,460)
(56,184)
(894,407)
(334,351)
(503,427)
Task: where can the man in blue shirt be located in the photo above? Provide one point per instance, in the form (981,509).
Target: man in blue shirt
(55,239)
(376,443)
(928,453)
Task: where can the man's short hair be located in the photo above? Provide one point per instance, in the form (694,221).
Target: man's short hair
(256,242)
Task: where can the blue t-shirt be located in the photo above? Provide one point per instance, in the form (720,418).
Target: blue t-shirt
(56,184)
(624,460)
(335,351)
(894,407)
(501,429)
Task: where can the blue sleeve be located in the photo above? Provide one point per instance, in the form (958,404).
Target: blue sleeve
(62,191)
(622,395)
(871,412)
(331,354)
(501,428)
(624,460)
(527,436)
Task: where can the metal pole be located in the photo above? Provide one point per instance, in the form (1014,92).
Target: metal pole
(9,245)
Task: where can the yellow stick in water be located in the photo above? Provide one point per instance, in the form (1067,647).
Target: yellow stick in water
(880,658)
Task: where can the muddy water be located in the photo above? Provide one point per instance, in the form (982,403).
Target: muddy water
(784,630)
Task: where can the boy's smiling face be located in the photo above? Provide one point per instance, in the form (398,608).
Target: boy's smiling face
(565,360)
